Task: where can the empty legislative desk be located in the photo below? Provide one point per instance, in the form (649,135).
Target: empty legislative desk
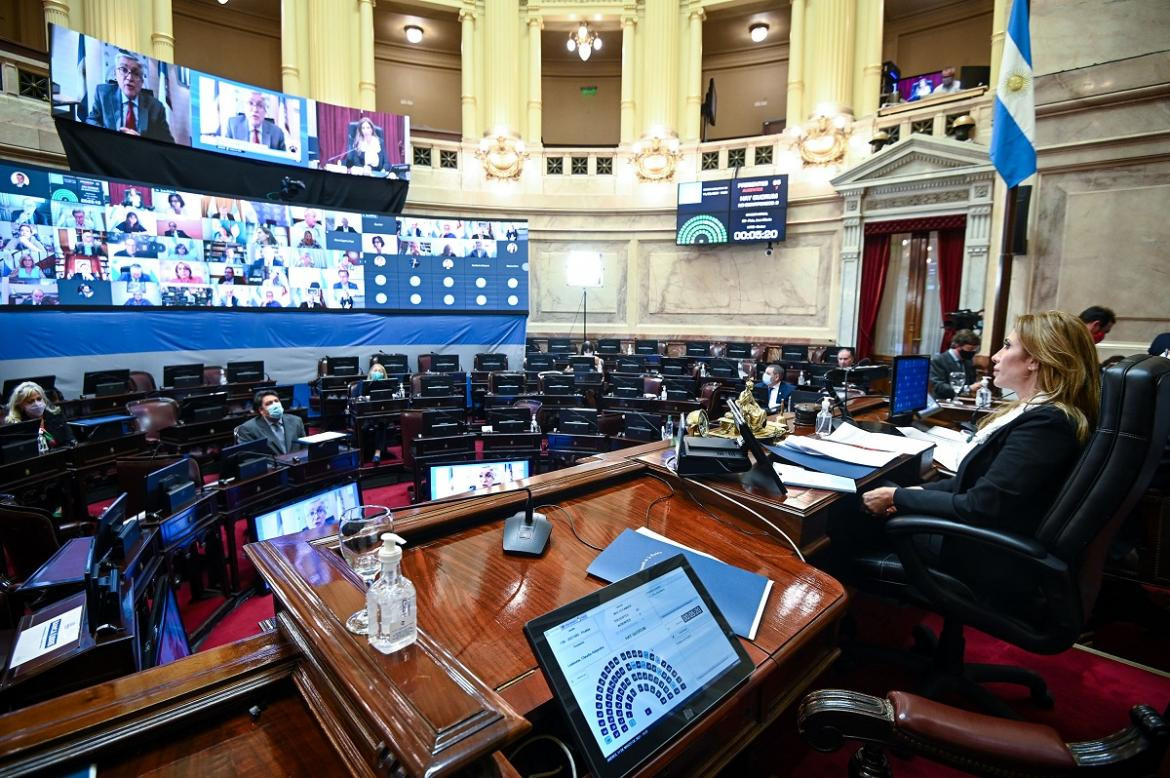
(311,699)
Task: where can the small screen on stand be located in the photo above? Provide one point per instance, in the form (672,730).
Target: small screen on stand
(908,387)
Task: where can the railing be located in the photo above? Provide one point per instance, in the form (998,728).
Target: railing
(24,72)
(936,116)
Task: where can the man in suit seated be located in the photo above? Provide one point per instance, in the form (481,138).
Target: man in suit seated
(253,128)
(273,425)
(173,231)
(959,358)
(773,390)
(124,107)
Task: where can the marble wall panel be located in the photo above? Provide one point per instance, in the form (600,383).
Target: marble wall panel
(553,300)
(1068,34)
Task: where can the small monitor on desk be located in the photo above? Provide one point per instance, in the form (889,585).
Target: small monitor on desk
(447,480)
(170,489)
(609,346)
(582,364)
(103,383)
(679,388)
(439,422)
(558,383)
(579,421)
(341,366)
(444,363)
(435,385)
(739,351)
(909,384)
(182,376)
(492,362)
(46,382)
(94,429)
(645,347)
(626,385)
(394,363)
(642,426)
(206,407)
(630,364)
(509,419)
(793,353)
(245,372)
(244,460)
(387,389)
(539,361)
(19,440)
(508,384)
(675,366)
(316,510)
(560,346)
(698,348)
(722,368)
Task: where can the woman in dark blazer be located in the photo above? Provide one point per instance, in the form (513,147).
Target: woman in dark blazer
(1022,454)
(28,402)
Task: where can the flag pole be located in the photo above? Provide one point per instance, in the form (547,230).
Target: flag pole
(1003,276)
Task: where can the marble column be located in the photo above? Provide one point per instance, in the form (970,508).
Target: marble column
(831,27)
(367,89)
(117,21)
(659,74)
(999,20)
(162,36)
(852,242)
(471,130)
(292,59)
(692,126)
(628,105)
(60,13)
(502,64)
(867,85)
(332,56)
(535,106)
(795,112)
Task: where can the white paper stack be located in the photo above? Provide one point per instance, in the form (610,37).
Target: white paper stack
(842,452)
(792,475)
(950,445)
(855,436)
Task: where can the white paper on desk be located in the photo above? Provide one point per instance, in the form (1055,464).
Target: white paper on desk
(842,452)
(767,587)
(949,449)
(792,475)
(320,437)
(856,436)
(40,639)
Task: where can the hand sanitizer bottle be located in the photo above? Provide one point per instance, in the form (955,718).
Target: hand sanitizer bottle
(800,379)
(390,602)
(669,428)
(535,426)
(702,370)
(825,420)
(983,395)
(662,394)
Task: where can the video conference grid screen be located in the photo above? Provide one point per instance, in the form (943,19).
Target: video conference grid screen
(742,210)
(84,241)
(93,81)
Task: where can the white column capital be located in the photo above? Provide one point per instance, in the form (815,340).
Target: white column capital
(537,21)
(467,15)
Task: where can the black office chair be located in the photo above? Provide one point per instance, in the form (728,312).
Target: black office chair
(1060,563)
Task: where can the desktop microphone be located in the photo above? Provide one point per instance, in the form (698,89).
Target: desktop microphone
(827,389)
(526,532)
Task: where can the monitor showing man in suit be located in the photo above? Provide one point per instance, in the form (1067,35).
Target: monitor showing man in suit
(252,127)
(125,106)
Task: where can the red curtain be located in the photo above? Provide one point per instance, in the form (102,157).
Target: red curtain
(333,132)
(874,264)
(950,274)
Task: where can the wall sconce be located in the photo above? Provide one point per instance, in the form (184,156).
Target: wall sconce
(964,127)
(758,31)
(414,33)
(879,140)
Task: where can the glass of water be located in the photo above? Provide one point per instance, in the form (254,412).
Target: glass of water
(359,531)
(958,382)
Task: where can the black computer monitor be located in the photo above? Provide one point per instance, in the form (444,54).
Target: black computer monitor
(244,372)
(579,421)
(341,366)
(723,368)
(560,346)
(19,440)
(244,460)
(168,635)
(493,362)
(437,422)
(203,407)
(102,578)
(170,488)
(182,376)
(627,363)
(436,385)
(679,388)
(316,510)
(626,385)
(47,382)
(559,383)
(642,426)
(698,348)
(444,363)
(675,366)
(509,419)
(386,389)
(739,351)
(645,347)
(394,363)
(538,360)
(106,544)
(793,353)
(582,364)
(908,387)
(103,383)
(509,384)
(609,346)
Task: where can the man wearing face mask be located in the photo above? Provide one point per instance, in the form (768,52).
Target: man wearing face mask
(960,357)
(271,424)
(772,391)
(374,429)
(1099,320)
(28,402)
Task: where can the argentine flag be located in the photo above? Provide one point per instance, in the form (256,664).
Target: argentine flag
(1013,126)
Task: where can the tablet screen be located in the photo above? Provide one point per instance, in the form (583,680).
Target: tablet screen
(637,662)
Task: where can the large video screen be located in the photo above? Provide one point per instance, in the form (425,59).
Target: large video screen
(124,91)
(740,210)
(82,241)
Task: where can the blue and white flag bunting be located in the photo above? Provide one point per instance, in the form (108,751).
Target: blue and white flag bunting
(1013,129)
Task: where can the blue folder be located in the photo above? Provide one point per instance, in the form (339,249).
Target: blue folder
(821,464)
(737,593)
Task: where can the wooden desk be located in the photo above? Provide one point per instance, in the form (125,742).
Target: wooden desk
(36,480)
(651,405)
(100,406)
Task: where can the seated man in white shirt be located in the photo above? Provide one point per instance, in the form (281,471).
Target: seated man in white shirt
(949,83)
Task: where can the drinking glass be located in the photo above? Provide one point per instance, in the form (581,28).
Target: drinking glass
(359,533)
(958,382)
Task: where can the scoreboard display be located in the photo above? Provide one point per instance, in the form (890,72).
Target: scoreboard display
(741,210)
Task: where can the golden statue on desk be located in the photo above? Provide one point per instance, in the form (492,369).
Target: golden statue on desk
(755,416)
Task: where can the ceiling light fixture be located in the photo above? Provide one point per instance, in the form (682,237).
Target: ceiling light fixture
(414,33)
(758,32)
(583,41)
